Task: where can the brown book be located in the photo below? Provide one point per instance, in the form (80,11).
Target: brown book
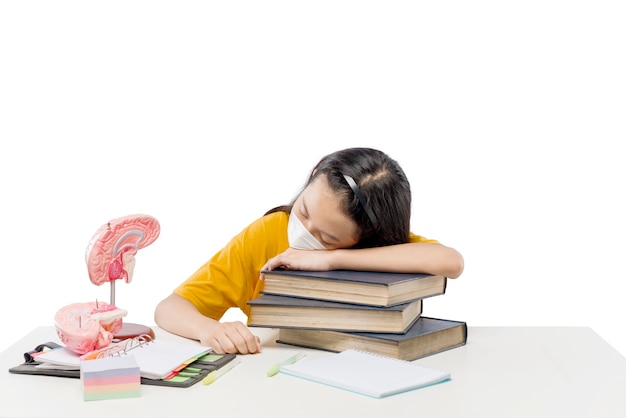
(352,286)
(425,337)
(272,311)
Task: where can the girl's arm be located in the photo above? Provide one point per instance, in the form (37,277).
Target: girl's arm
(416,257)
(178,316)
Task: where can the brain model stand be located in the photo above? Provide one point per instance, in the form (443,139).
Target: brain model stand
(110,256)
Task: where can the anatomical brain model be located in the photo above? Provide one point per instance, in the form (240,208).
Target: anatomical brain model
(110,256)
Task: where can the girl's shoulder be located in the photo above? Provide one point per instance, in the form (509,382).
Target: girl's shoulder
(271,223)
(267,234)
(274,219)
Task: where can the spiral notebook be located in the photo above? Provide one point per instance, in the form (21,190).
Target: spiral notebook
(183,377)
(366,373)
(157,359)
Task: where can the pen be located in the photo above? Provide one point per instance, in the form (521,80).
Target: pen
(276,367)
(216,374)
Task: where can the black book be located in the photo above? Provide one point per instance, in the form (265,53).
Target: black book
(273,311)
(427,336)
(353,286)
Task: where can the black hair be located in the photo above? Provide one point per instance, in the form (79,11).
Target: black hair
(384,188)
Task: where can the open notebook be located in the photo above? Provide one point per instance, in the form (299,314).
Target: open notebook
(156,359)
(366,373)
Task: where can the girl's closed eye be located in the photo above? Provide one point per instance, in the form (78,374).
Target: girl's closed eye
(325,243)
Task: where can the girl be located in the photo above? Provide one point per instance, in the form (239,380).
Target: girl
(353,213)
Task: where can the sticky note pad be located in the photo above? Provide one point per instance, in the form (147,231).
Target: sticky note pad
(110,378)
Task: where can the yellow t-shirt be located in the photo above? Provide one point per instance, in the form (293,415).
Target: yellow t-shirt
(231,277)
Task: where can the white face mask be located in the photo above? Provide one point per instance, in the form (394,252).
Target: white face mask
(299,237)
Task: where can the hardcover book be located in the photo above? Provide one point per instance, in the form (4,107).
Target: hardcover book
(352,286)
(425,337)
(274,311)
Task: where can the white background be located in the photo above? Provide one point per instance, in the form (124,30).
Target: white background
(508,118)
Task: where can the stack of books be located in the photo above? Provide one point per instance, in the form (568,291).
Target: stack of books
(338,310)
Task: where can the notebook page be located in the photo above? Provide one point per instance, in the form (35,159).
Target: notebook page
(158,358)
(366,373)
(62,357)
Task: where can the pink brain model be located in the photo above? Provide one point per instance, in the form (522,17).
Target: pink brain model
(110,254)
(84,327)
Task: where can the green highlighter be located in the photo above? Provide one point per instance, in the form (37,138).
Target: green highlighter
(216,374)
(276,367)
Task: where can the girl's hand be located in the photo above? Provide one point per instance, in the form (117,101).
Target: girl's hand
(232,338)
(292,259)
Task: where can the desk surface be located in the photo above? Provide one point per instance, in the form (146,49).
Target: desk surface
(501,371)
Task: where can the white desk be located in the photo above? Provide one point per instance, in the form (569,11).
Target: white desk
(501,372)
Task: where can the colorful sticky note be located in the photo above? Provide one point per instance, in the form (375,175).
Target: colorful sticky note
(110,378)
